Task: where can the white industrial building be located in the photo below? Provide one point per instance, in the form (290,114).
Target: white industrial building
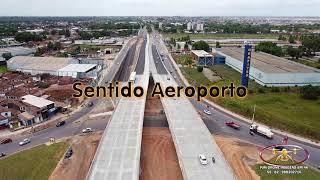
(269,70)
(54,66)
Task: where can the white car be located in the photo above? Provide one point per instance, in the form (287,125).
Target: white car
(203,159)
(24,142)
(87,130)
(207,112)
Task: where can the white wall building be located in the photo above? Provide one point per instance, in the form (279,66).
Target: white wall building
(271,70)
(54,66)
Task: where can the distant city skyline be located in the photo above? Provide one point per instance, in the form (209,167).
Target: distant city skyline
(160,8)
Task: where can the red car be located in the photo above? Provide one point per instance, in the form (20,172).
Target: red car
(6,141)
(233,125)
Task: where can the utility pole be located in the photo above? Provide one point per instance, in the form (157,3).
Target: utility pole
(254,111)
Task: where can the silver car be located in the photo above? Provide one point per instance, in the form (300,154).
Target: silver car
(24,142)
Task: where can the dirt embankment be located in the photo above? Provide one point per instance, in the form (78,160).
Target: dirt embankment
(76,168)
(158,156)
(240,155)
(153,106)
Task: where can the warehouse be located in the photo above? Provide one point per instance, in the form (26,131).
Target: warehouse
(269,70)
(52,65)
(202,57)
(79,71)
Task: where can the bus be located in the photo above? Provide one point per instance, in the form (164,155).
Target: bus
(132,77)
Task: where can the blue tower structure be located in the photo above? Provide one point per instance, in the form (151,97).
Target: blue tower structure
(246,65)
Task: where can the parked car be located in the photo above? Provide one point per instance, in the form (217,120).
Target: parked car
(87,130)
(24,142)
(68,153)
(203,159)
(2,154)
(61,123)
(207,112)
(6,141)
(213,159)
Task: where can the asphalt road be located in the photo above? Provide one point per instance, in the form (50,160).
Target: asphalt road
(159,65)
(72,127)
(141,61)
(123,73)
(216,122)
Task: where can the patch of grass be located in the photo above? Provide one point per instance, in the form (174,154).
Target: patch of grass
(222,36)
(305,174)
(35,163)
(183,59)
(3,69)
(194,77)
(281,108)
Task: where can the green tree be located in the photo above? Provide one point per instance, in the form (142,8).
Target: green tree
(201,45)
(40,51)
(292,39)
(291,52)
(178,46)
(50,45)
(53,32)
(311,43)
(199,68)
(282,38)
(27,36)
(7,56)
(218,44)
(310,92)
(67,33)
(269,47)
(186,47)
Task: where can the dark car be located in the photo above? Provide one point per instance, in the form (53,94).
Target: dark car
(213,159)
(90,104)
(2,154)
(61,123)
(6,141)
(68,153)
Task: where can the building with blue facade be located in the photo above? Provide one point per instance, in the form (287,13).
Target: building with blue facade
(202,58)
(269,70)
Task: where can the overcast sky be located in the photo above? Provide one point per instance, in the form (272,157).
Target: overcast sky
(160,8)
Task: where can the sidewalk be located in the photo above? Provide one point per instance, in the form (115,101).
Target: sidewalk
(279,132)
(7,133)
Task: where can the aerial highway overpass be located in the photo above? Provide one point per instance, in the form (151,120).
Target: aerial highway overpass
(118,154)
(190,135)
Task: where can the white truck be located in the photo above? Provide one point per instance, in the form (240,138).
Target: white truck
(264,131)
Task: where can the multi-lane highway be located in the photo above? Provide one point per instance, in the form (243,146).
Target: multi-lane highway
(216,122)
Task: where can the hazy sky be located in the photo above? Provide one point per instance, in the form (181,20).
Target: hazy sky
(160,8)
